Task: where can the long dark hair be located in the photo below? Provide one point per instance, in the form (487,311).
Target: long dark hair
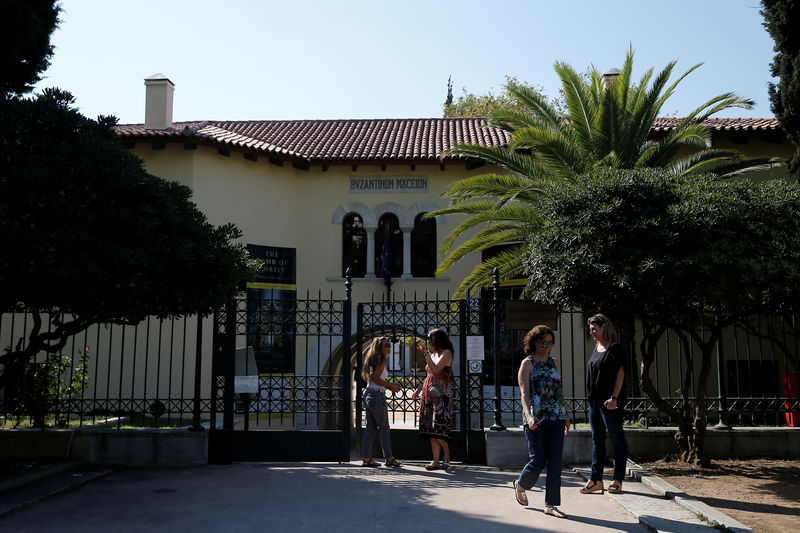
(440,339)
(374,357)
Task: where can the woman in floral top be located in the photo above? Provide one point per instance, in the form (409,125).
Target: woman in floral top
(546,419)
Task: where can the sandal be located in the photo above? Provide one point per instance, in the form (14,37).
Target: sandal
(552,510)
(392,463)
(432,466)
(444,465)
(521,497)
(615,487)
(592,486)
(369,463)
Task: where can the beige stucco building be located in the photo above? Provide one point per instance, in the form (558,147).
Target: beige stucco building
(314,197)
(291,184)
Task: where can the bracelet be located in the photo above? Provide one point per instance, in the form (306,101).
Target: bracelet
(614,397)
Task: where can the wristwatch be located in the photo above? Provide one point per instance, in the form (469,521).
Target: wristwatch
(614,397)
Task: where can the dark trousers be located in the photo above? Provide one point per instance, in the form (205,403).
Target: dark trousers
(545,445)
(603,420)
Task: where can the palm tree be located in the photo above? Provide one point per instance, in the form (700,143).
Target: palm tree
(607,123)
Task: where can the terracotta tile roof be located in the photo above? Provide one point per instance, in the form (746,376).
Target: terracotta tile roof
(367,140)
(332,140)
(722,124)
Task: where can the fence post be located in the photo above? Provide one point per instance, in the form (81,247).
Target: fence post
(498,413)
(347,308)
(720,381)
(198,367)
(229,367)
(464,385)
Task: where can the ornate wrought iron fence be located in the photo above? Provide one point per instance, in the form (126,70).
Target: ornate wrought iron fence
(160,370)
(114,375)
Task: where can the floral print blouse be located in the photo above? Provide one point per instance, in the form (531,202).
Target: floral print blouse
(547,399)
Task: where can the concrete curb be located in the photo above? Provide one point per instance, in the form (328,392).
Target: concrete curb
(44,471)
(27,490)
(712,515)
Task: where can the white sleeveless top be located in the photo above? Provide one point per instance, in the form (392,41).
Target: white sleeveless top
(373,385)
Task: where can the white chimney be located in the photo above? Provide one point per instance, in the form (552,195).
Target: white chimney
(610,76)
(158,102)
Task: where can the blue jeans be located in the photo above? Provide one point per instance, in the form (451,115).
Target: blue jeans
(545,444)
(601,419)
(377,420)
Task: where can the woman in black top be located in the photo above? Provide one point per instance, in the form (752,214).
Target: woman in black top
(605,386)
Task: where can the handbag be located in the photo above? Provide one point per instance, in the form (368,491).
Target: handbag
(434,391)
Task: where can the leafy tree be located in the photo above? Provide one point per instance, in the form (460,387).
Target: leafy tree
(482,105)
(691,254)
(781,18)
(25,29)
(90,237)
(607,124)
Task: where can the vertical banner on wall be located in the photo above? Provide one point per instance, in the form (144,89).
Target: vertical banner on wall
(271,301)
(270,309)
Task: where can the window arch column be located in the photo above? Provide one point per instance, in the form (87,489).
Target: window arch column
(406,251)
(371,229)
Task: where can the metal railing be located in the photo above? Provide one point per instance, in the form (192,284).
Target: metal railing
(159,372)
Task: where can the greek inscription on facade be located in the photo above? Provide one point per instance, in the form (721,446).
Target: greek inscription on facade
(390,184)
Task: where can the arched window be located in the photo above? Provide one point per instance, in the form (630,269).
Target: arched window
(389,225)
(354,246)
(423,247)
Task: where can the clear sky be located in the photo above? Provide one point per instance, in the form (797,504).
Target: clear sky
(337,59)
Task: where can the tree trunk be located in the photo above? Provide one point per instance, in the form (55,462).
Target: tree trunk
(699,456)
(684,438)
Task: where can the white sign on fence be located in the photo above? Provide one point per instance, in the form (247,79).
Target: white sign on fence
(475,348)
(242,384)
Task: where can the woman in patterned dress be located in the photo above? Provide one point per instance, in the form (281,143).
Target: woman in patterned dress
(436,392)
(546,418)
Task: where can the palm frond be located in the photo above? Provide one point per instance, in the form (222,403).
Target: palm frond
(503,157)
(492,185)
(560,155)
(485,212)
(660,154)
(717,104)
(538,104)
(704,161)
(580,103)
(508,119)
(671,89)
(491,236)
(747,166)
(509,264)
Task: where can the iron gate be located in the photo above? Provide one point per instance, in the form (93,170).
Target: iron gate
(281,389)
(405,323)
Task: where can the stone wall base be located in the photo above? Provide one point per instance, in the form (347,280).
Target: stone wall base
(507,449)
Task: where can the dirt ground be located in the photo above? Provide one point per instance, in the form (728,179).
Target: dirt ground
(761,493)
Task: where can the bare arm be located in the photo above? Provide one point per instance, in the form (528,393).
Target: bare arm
(378,380)
(524,380)
(435,365)
(611,403)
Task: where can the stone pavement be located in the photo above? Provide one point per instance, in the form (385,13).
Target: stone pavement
(327,497)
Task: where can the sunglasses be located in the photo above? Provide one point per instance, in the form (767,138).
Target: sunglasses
(545,344)
(597,319)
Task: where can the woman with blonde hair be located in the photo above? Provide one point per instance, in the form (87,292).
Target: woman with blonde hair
(375,373)
(605,390)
